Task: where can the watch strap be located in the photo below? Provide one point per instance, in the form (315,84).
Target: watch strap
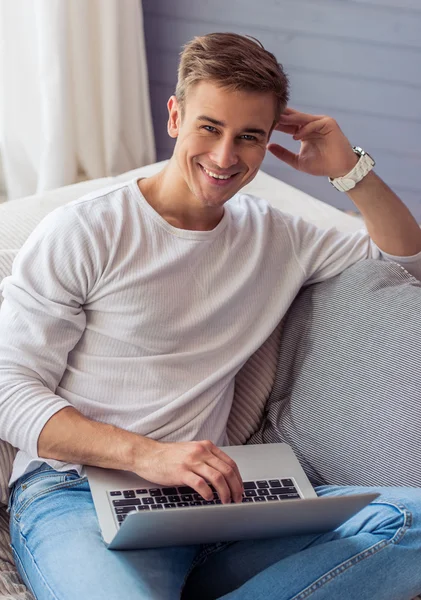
(361,169)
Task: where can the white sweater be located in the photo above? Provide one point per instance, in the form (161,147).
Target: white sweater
(137,323)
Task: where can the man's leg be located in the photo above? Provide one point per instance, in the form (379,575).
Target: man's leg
(375,555)
(60,553)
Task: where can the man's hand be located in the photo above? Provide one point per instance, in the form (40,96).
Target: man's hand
(194,464)
(71,437)
(324,148)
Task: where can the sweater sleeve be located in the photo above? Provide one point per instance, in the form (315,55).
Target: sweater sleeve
(324,253)
(41,320)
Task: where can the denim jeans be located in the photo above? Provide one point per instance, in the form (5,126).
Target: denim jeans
(60,554)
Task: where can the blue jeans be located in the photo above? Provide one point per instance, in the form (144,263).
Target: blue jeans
(59,552)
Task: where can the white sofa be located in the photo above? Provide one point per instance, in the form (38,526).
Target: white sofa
(253,384)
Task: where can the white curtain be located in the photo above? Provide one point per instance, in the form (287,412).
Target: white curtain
(75,92)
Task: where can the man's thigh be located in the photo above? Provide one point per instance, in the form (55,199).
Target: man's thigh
(392,521)
(60,553)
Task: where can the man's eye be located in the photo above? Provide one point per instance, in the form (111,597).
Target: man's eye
(248,138)
(209,128)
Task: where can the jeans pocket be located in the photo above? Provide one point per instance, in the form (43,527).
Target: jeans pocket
(40,483)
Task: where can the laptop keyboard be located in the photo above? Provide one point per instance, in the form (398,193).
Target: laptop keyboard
(169,498)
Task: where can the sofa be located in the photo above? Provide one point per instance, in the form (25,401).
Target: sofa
(254,383)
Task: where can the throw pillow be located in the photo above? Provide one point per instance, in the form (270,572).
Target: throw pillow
(253,384)
(347,392)
(11,586)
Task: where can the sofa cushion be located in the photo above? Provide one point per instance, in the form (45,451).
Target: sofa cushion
(6,260)
(7,456)
(11,586)
(347,392)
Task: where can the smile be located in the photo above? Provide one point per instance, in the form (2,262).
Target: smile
(211,174)
(215,179)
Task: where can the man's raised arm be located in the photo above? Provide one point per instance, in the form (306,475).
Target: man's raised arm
(325,150)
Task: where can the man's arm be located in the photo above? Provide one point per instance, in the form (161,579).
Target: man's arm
(326,151)
(389,222)
(70,437)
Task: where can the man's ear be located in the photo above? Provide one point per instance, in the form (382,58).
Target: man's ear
(174,117)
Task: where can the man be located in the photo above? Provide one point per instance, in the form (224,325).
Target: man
(126,319)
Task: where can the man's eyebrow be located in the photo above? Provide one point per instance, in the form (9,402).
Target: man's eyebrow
(223,124)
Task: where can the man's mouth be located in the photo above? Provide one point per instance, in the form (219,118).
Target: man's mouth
(215,175)
(219,179)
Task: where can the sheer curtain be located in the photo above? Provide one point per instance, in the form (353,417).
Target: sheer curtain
(75,91)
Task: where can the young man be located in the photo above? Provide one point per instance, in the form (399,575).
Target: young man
(126,319)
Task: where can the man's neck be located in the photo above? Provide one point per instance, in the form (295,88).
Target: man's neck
(172,199)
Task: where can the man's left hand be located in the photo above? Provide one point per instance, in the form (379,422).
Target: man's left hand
(325,150)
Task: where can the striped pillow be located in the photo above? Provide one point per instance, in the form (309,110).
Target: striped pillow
(347,392)
(11,586)
(253,385)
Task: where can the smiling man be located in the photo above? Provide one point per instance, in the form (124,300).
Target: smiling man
(221,142)
(127,317)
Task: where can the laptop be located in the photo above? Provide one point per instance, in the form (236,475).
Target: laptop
(278,500)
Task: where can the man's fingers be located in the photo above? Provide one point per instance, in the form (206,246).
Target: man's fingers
(226,474)
(198,483)
(290,116)
(228,460)
(200,464)
(291,129)
(285,155)
(308,129)
(222,471)
(215,478)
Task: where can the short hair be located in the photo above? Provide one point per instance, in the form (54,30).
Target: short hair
(232,61)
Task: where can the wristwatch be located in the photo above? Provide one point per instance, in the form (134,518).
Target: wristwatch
(350,180)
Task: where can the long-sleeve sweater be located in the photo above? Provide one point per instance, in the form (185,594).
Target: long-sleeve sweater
(136,323)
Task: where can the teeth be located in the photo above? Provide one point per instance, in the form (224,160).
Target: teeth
(215,175)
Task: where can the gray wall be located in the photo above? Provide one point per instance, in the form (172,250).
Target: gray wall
(356,60)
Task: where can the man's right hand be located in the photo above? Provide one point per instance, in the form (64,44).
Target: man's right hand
(195,464)
(71,437)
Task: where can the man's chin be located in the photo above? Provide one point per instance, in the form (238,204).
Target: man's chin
(219,197)
(216,200)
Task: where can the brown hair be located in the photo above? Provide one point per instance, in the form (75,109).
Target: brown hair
(235,62)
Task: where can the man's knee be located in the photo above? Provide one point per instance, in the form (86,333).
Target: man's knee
(390,516)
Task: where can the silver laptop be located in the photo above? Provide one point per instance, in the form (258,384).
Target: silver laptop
(278,500)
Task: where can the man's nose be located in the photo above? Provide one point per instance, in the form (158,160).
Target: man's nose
(224,154)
